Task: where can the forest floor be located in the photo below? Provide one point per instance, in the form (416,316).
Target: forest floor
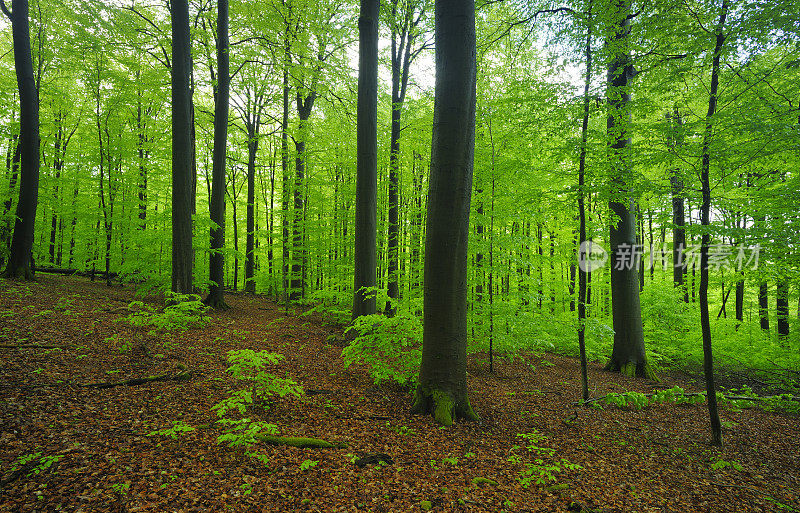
(94,450)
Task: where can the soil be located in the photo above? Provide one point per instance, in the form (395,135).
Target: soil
(100,453)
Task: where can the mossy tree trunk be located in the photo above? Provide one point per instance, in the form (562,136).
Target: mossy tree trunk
(442,388)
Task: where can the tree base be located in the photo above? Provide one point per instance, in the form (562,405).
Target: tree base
(21,272)
(442,405)
(633,370)
(217,303)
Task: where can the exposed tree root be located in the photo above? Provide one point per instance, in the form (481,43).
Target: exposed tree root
(298,441)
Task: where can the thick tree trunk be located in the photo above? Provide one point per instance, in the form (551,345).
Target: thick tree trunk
(182,152)
(216,264)
(19,261)
(367,161)
(442,387)
(628,355)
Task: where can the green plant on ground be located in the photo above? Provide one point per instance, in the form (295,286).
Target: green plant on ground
(719,464)
(390,346)
(544,467)
(307,464)
(250,366)
(183,312)
(177,429)
(44,462)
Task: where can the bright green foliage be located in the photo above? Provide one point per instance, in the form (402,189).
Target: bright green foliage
(390,346)
(544,466)
(178,428)
(249,366)
(183,312)
(307,464)
(44,462)
(721,464)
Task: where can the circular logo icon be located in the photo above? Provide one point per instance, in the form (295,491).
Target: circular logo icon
(591,256)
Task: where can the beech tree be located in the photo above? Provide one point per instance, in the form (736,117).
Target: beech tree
(182,150)
(19,261)
(442,388)
(215,296)
(628,355)
(366,160)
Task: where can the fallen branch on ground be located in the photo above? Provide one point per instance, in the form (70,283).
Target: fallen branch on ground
(184,375)
(697,394)
(297,441)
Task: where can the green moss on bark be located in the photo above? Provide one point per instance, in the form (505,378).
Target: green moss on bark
(442,405)
(297,441)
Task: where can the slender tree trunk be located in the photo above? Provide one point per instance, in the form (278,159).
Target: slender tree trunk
(782,306)
(182,153)
(763,305)
(285,192)
(249,260)
(678,215)
(19,261)
(367,162)
(583,270)
(442,387)
(705,213)
(216,263)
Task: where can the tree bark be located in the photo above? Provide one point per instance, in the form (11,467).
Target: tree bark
(763,305)
(366,161)
(782,306)
(19,261)
(628,355)
(216,264)
(442,387)
(182,153)
(705,213)
(252,152)
(678,212)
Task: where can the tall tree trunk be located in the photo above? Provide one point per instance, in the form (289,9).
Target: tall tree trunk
(442,385)
(216,263)
(285,192)
(583,269)
(366,161)
(705,213)
(182,152)
(628,355)
(19,261)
